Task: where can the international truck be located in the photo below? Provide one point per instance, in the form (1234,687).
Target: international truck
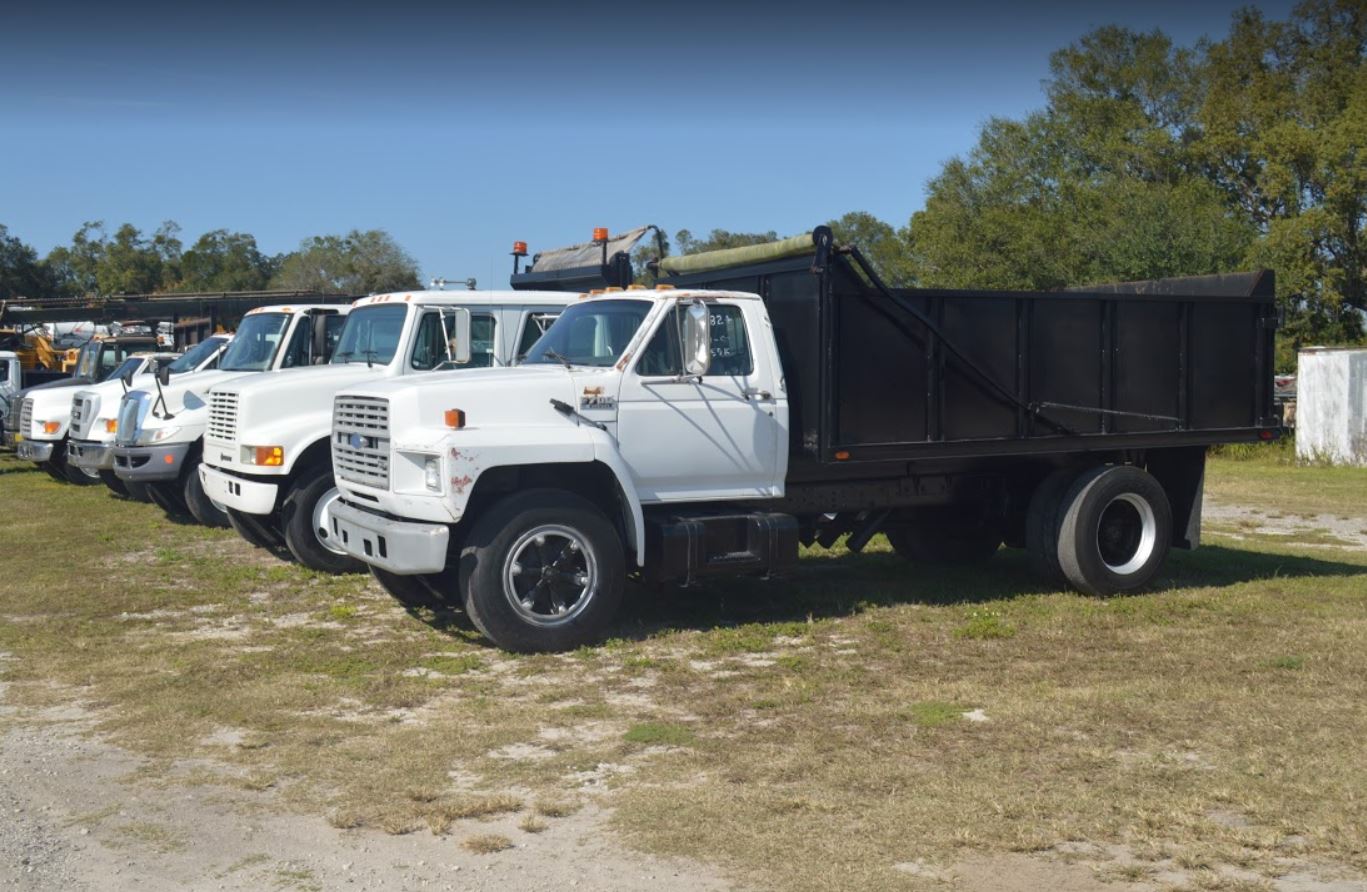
(267,459)
(95,413)
(38,424)
(762,398)
(160,431)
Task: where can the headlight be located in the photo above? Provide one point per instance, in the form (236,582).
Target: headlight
(431,473)
(267,456)
(164,433)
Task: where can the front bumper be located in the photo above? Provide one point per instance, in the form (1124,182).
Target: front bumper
(150,464)
(89,455)
(398,546)
(34,450)
(238,493)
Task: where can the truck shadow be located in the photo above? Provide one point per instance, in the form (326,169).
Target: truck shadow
(851,583)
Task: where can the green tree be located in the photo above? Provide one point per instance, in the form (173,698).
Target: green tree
(125,263)
(878,242)
(75,268)
(356,263)
(224,261)
(21,272)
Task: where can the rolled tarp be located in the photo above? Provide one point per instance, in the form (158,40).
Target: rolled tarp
(744,256)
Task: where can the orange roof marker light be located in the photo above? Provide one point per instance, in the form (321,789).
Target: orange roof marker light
(520,249)
(600,233)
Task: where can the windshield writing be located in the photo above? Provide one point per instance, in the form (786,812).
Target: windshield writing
(371,334)
(589,334)
(255,343)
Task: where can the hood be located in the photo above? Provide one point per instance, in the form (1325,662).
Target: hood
(190,391)
(514,396)
(57,385)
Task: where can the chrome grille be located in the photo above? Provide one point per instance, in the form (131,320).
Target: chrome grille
(222,416)
(360,440)
(26,417)
(82,415)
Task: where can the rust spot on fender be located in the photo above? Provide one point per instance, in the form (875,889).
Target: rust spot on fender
(459,483)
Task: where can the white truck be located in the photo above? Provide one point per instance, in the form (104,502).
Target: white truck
(95,413)
(266,452)
(10,373)
(44,412)
(160,430)
(699,431)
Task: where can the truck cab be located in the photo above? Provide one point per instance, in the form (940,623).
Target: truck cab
(160,429)
(267,458)
(633,401)
(10,371)
(44,411)
(95,410)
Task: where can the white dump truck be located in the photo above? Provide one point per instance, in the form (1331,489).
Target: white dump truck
(44,412)
(782,394)
(95,413)
(266,451)
(160,430)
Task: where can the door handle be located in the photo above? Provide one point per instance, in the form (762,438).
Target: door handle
(758,394)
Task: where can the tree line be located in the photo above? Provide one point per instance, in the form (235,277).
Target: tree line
(128,261)
(1147,160)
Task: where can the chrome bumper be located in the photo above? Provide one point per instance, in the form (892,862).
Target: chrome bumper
(34,450)
(150,464)
(238,493)
(90,456)
(394,545)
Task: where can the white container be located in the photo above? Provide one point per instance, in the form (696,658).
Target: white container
(1331,410)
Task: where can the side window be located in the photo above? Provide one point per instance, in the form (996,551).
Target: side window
(109,360)
(429,344)
(297,351)
(532,330)
(332,333)
(730,347)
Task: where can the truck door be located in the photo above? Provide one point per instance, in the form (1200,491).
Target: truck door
(697,439)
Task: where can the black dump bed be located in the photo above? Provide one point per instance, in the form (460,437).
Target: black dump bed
(878,375)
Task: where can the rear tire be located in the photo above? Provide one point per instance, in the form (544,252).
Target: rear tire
(197,500)
(302,518)
(936,539)
(1042,520)
(117,486)
(542,570)
(255,529)
(1116,530)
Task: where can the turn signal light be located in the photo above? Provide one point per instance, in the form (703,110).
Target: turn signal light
(111,425)
(455,418)
(600,233)
(270,456)
(51,427)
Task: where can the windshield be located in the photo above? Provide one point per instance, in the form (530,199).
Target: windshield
(371,334)
(254,345)
(85,363)
(192,358)
(131,364)
(591,334)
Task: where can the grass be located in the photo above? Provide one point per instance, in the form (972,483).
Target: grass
(723,722)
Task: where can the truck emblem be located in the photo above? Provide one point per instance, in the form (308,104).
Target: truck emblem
(357,441)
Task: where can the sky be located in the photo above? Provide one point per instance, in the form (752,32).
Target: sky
(459,131)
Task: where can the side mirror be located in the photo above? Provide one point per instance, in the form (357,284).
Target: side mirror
(696,338)
(163,375)
(127,378)
(459,344)
(318,350)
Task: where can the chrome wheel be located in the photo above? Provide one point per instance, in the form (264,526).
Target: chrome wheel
(550,575)
(1127,534)
(322,520)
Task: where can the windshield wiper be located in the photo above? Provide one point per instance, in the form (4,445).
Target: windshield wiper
(557,357)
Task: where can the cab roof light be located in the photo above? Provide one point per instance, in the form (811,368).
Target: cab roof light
(660,287)
(520,249)
(455,419)
(600,233)
(611,289)
(637,287)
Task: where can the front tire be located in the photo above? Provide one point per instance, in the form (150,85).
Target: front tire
(542,570)
(254,529)
(166,496)
(1116,530)
(136,491)
(410,591)
(303,518)
(197,500)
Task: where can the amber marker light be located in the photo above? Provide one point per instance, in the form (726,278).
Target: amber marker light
(111,425)
(51,427)
(270,456)
(600,233)
(455,418)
